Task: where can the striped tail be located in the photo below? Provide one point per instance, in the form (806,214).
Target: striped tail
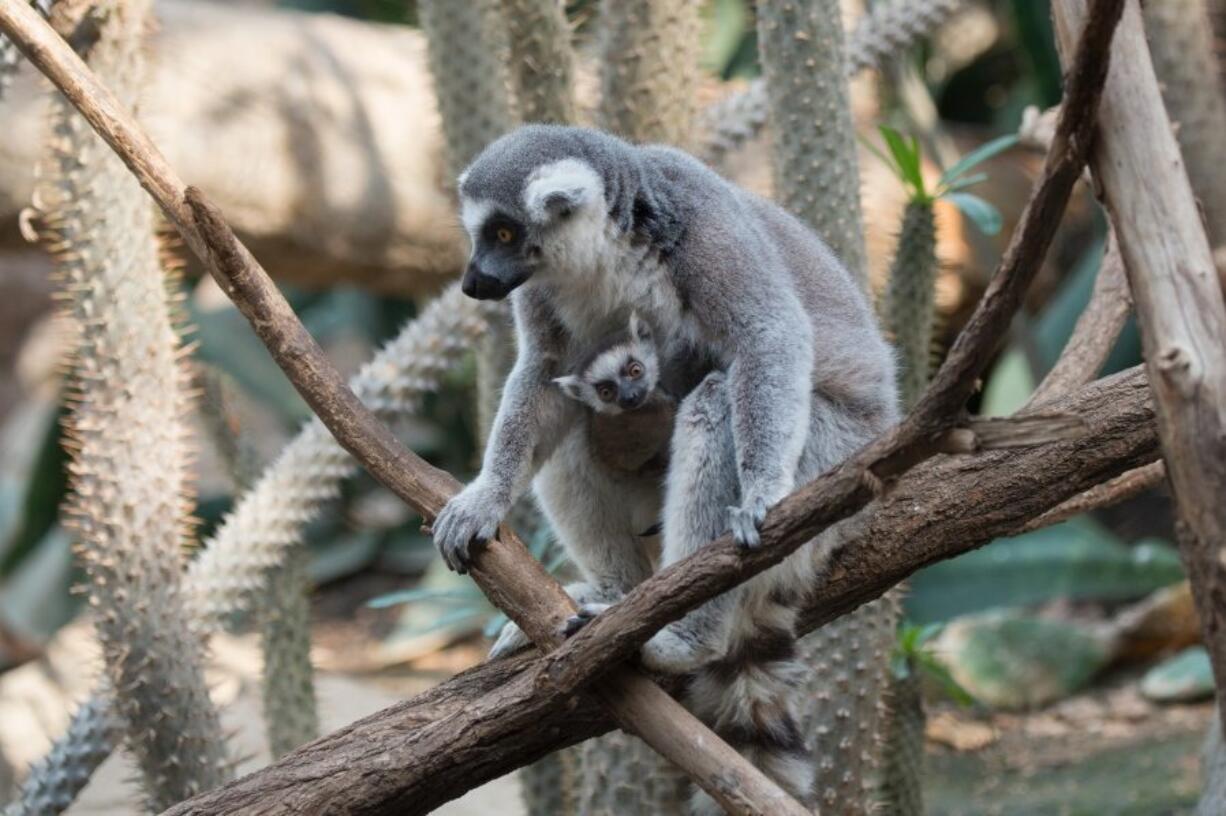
(750,698)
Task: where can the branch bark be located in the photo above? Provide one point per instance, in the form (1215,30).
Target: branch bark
(1179,304)
(423,748)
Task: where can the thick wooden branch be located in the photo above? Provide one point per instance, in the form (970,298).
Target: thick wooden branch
(1141,176)
(505,570)
(423,748)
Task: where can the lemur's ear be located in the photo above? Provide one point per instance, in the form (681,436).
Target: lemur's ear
(639,328)
(558,189)
(570,385)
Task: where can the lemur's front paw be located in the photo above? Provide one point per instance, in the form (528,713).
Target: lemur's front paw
(582,617)
(745,522)
(510,640)
(671,653)
(470,518)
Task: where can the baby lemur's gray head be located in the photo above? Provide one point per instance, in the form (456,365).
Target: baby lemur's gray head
(620,373)
(542,192)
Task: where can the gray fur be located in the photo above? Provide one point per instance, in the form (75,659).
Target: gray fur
(727,281)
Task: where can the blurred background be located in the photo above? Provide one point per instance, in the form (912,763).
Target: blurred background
(1065,674)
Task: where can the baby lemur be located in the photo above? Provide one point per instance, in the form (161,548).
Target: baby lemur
(631,418)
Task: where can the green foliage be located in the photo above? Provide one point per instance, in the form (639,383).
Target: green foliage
(914,653)
(1016,662)
(1077,559)
(905,159)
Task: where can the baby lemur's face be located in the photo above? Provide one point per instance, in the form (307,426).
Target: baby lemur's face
(620,375)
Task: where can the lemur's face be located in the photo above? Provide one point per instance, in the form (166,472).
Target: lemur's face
(619,378)
(510,231)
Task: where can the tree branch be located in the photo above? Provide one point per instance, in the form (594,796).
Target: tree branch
(940,509)
(1179,305)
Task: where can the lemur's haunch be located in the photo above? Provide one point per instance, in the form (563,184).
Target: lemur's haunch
(762,335)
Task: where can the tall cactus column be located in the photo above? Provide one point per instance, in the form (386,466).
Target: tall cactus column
(470,81)
(817,178)
(542,60)
(128,433)
(649,57)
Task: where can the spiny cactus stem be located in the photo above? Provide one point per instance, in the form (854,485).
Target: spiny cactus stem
(910,298)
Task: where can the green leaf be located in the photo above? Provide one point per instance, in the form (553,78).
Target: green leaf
(935,669)
(963,183)
(1079,559)
(985,216)
(906,158)
(977,156)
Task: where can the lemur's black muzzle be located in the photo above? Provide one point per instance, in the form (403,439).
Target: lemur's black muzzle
(481,284)
(630,398)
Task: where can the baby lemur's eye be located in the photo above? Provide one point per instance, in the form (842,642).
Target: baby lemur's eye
(504,235)
(634,370)
(606,392)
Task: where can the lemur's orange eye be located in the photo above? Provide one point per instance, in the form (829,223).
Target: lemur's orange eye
(634,370)
(605,392)
(504,235)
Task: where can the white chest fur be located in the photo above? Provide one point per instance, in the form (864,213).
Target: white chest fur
(597,276)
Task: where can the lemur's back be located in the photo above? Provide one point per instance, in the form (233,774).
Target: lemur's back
(852,356)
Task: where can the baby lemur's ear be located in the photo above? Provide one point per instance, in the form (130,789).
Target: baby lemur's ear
(571,386)
(639,328)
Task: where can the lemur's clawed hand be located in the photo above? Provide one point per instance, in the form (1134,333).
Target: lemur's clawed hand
(470,519)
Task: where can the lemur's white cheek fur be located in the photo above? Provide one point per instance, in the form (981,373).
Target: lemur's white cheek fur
(473,214)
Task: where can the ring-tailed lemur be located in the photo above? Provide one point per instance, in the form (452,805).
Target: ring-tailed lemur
(581,228)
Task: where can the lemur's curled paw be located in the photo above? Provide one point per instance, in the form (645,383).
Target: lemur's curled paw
(582,617)
(745,522)
(671,653)
(470,518)
(510,640)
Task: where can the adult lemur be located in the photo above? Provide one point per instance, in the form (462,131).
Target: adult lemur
(584,228)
